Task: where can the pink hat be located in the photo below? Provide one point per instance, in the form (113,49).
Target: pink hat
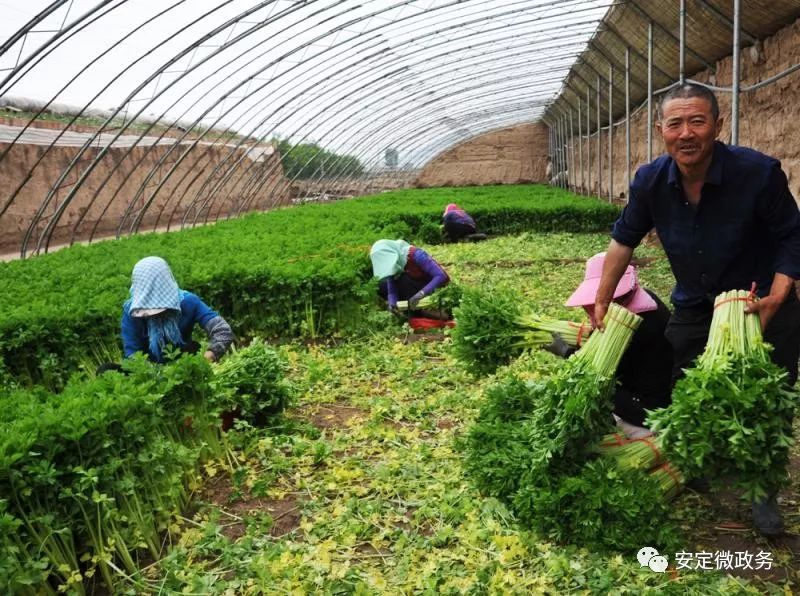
(637,300)
(450,207)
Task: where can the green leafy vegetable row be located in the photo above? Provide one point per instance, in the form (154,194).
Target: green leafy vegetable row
(91,479)
(295,271)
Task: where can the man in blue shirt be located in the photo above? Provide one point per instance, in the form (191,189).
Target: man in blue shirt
(726,219)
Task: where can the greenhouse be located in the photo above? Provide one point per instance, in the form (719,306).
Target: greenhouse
(399,297)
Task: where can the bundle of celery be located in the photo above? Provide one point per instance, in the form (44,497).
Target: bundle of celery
(602,507)
(632,454)
(252,381)
(731,415)
(445,299)
(528,431)
(492,328)
(534,447)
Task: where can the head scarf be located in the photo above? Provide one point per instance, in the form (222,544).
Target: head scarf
(389,257)
(451,207)
(153,288)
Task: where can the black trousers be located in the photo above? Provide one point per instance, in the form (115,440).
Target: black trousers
(688,328)
(456,231)
(631,407)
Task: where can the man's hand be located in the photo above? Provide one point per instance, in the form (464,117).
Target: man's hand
(769,305)
(766,309)
(210,356)
(414,300)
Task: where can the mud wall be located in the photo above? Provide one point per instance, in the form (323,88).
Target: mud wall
(119,188)
(769,118)
(512,155)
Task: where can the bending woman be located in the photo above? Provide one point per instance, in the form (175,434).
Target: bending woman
(159,314)
(406,272)
(457,223)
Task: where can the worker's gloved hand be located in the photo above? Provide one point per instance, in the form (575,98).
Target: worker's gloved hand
(559,347)
(414,300)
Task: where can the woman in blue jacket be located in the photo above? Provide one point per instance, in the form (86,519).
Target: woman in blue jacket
(159,314)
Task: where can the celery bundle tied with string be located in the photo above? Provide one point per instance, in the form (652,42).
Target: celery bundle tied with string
(731,415)
(534,446)
(492,328)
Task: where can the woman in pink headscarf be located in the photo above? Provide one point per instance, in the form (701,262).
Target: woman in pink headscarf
(644,375)
(457,223)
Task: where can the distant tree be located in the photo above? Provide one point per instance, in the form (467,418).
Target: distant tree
(308,160)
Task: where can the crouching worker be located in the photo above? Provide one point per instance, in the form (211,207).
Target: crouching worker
(405,272)
(458,225)
(159,314)
(645,371)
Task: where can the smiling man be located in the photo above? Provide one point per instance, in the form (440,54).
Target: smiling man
(727,220)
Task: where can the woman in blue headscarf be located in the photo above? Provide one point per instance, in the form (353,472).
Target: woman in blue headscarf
(405,272)
(159,314)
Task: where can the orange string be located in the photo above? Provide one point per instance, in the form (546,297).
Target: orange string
(618,441)
(668,469)
(748,298)
(751,297)
(652,446)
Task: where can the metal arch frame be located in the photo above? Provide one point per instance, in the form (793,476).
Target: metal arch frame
(387,137)
(49,229)
(467,112)
(37,56)
(197,121)
(3,154)
(399,124)
(380,78)
(456,137)
(432,119)
(382,140)
(28,27)
(417,84)
(408,66)
(410,99)
(221,135)
(229,22)
(217,51)
(41,111)
(452,27)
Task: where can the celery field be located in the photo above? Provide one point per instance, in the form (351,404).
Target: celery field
(127,485)
(361,489)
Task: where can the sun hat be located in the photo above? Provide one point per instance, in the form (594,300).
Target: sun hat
(637,299)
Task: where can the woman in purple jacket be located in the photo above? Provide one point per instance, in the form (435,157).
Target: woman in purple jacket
(405,272)
(457,223)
